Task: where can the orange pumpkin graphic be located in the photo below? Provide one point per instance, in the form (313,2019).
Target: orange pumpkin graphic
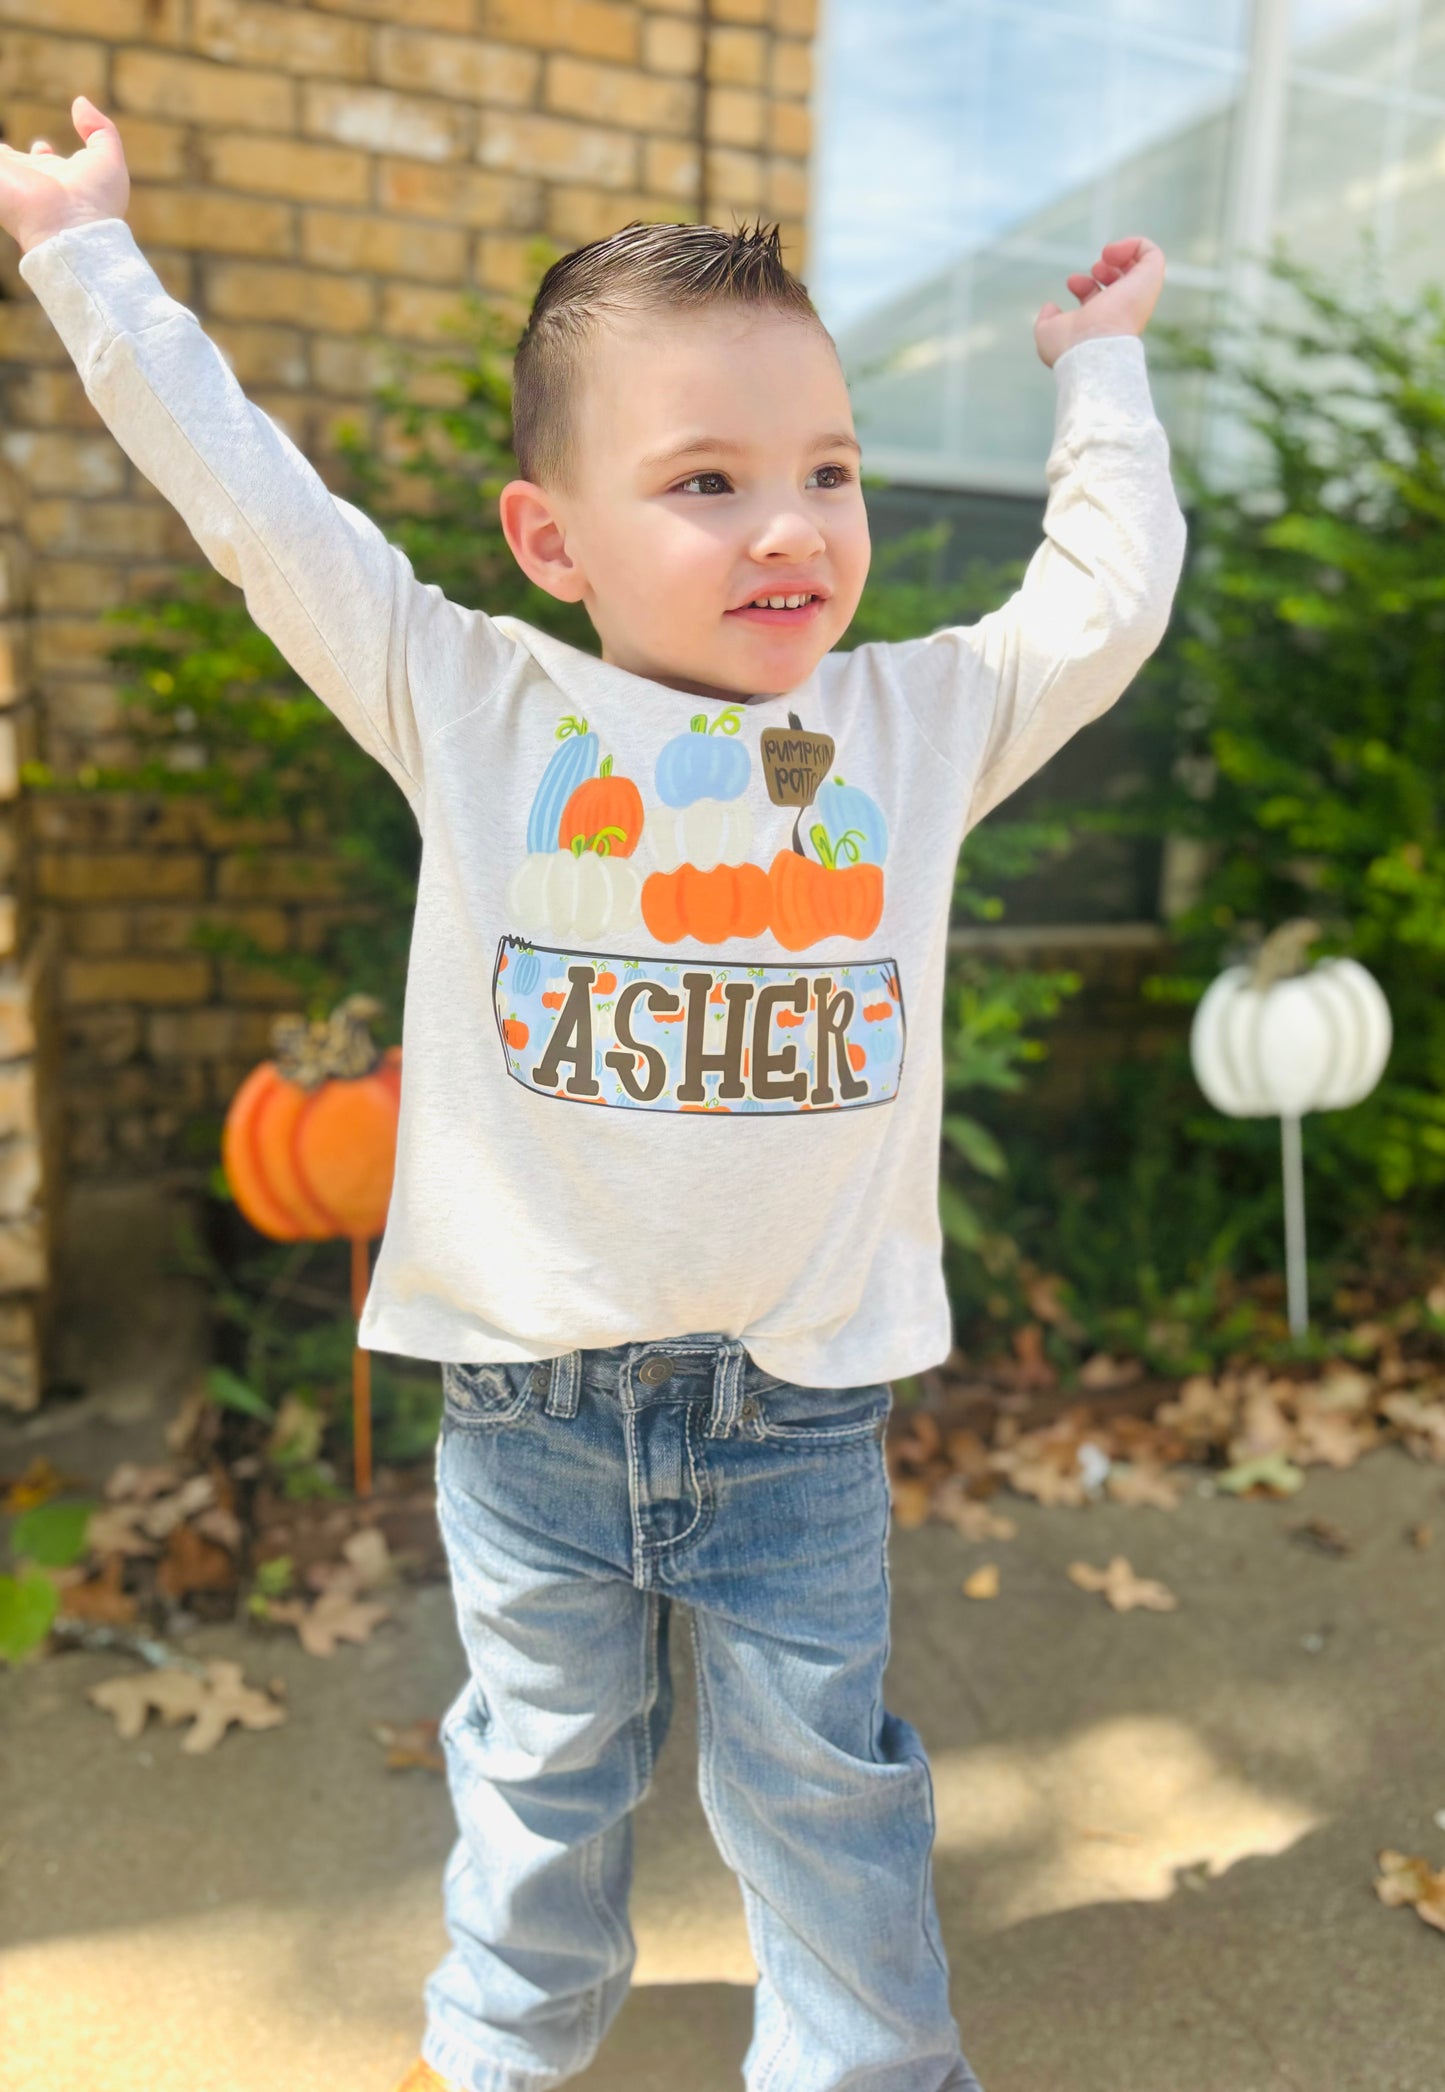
(811,901)
(731,900)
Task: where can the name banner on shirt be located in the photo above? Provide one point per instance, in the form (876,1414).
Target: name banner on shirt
(694,1035)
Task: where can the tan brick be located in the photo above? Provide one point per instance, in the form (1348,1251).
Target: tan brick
(787,190)
(82,817)
(279,876)
(14,664)
(252,291)
(350,367)
(47,399)
(65,464)
(670,45)
(241,983)
(463,66)
(55,68)
(220,831)
(678,7)
(66,644)
(206,219)
(200,92)
(512,262)
(424,14)
(390,246)
(21,1176)
(461,195)
(98,932)
(619,95)
(139,530)
(790,129)
(791,73)
(576,215)
(734,116)
(409,313)
(290,39)
(153,151)
(795,17)
(154,21)
(26,335)
(591,28)
(17,1012)
(207,1034)
(261,355)
(734,178)
(117,875)
(18,1112)
(670,167)
(135,980)
(737,57)
(740,10)
(380,120)
(173,929)
(559,151)
(286,167)
(24,1267)
(79,584)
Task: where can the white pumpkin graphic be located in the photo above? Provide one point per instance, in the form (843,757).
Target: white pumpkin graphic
(707,833)
(1278,1039)
(562,894)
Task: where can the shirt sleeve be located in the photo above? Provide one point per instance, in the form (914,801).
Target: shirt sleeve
(389,655)
(996,699)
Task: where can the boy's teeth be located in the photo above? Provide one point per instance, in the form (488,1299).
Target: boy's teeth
(779,602)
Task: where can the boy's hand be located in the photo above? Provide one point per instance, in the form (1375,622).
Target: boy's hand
(41,193)
(1117,298)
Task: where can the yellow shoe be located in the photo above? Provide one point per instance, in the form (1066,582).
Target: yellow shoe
(422,2078)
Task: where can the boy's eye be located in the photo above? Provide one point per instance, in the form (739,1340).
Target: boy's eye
(840,478)
(841,472)
(722,477)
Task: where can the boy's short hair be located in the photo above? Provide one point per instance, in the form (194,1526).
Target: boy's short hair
(643,268)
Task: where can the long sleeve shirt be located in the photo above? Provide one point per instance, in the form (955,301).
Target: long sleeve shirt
(672,1036)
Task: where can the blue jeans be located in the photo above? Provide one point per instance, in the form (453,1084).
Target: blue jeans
(576,1500)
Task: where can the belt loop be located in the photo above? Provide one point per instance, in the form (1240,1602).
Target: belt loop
(565,1384)
(727,1387)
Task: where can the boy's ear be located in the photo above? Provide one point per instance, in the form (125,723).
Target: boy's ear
(539,541)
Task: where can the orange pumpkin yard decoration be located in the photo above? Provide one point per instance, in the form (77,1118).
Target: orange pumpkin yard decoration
(811,900)
(731,900)
(309,1150)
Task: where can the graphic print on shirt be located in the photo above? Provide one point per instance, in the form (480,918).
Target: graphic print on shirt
(695,1035)
(696,879)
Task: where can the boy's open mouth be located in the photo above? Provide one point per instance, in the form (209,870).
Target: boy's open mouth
(796,607)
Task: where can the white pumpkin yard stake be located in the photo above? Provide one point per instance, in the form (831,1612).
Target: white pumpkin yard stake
(1278,1039)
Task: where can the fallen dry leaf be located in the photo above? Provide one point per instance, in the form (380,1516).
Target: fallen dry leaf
(1122,1588)
(983,1583)
(116,1530)
(975,1521)
(1324,1437)
(1104,1371)
(911,1498)
(1423,1424)
(100,1598)
(412,1745)
(40,1482)
(131,1483)
(1142,1485)
(163,1514)
(1403,1879)
(1325,1538)
(1272,1475)
(338,1615)
(1421,1537)
(1202,1412)
(210,1703)
(193,1563)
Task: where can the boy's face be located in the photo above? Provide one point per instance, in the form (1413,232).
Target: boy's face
(666,545)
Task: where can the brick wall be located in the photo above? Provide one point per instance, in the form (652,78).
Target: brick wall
(314,181)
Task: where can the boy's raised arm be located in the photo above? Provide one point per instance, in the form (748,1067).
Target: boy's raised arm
(379,648)
(999,697)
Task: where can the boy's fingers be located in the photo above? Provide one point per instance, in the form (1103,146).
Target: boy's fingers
(1083,288)
(1049,312)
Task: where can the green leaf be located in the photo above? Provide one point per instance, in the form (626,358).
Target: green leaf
(229,1392)
(976,1145)
(51,1534)
(28,1604)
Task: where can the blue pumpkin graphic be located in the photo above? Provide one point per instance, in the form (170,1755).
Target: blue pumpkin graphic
(702,763)
(526,971)
(853,823)
(571,765)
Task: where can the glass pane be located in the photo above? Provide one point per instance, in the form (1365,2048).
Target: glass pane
(1357,42)
(1416,206)
(1174,187)
(1005,418)
(1427,71)
(1224,24)
(896,360)
(1332,174)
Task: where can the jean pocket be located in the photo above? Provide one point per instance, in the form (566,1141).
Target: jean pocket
(479,1396)
(819,1416)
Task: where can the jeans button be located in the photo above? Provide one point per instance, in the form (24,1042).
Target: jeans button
(539,1379)
(653,1371)
(750,1410)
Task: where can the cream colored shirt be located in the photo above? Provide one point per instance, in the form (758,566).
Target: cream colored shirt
(672,1038)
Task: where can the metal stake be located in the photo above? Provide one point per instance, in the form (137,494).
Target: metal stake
(1294,1224)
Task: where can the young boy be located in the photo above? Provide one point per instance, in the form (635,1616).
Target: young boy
(706,876)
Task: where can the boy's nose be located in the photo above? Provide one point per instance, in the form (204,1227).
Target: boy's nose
(790,533)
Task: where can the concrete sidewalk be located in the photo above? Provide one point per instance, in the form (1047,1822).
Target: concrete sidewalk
(1156,1832)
